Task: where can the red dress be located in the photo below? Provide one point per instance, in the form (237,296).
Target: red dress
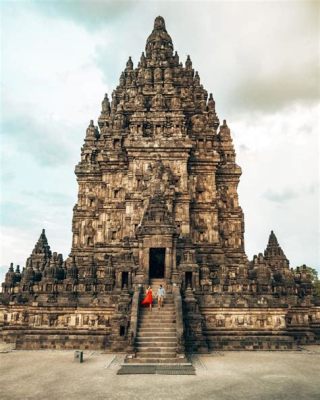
(148,299)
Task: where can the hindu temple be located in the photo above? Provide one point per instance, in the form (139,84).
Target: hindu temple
(158,204)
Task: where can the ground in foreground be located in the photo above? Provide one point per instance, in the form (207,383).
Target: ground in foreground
(229,375)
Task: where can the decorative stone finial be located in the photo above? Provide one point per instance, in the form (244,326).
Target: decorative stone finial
(105,105)
(92,132)
(211,103)
(159,45)
(159,23)
(197,79)
(129,64)
(188,62)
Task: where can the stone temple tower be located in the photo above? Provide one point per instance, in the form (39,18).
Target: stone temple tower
(158,204)
(158,177)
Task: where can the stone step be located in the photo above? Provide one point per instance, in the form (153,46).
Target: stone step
(159,322)
(167,300)
(156,316)
(155,341)
(157,369)
(144,346)
(159,318)
(166,303)
(167,296)
(166,307)
(149,354)
(156,329)
(157,311)
(143,360)
(157,335)
(158,349)
(168,327)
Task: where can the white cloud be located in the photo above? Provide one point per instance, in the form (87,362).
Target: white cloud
(279,188)
(49,71)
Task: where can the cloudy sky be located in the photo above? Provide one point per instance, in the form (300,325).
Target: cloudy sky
(260,60)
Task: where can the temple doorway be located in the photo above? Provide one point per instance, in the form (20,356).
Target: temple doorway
(157,262)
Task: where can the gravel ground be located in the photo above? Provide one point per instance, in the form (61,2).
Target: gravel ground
(50,375)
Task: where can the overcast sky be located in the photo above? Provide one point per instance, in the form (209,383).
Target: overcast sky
(260,60)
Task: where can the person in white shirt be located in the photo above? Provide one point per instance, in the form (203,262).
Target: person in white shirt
(160,294)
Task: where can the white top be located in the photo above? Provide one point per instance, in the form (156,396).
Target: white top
(161,291)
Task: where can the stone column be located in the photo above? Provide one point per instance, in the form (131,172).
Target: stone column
(168,263)
(174,255)
(146,261)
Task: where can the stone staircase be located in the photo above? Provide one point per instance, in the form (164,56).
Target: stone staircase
(156,340)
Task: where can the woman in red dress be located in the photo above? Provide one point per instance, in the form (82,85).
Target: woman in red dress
(147,301)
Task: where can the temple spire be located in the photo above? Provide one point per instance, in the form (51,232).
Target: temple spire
(273,247)
(129,65)
(42,247)
(105,105)
(188,63)
(274,253)
(92,132)
(159,45)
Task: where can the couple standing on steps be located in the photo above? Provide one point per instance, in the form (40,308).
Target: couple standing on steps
(147,301)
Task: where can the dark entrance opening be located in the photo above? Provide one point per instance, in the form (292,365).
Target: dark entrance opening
(124,280)
(188,279)
(156,262)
